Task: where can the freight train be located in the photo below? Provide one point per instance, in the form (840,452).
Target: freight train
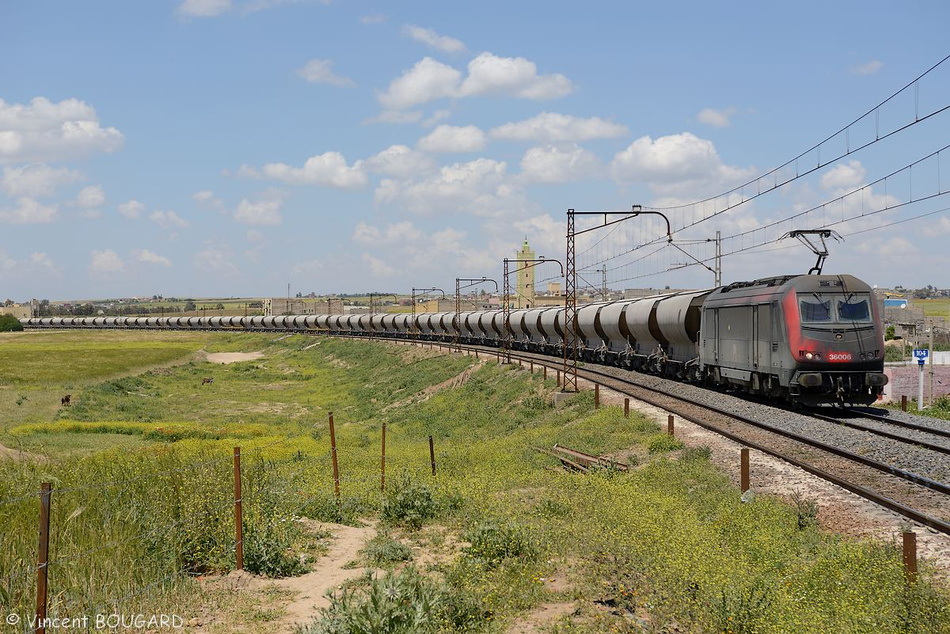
(808,339)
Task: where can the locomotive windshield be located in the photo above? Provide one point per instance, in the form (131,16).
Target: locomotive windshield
(816,308)
(854,309)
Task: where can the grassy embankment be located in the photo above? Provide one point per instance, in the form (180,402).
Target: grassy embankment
(141,468)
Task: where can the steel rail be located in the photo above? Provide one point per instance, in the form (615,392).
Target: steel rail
(884,434)
(900,423)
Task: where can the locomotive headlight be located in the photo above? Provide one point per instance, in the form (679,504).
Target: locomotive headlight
(809,356)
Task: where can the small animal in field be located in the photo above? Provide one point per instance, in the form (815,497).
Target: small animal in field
(207,381)
(65,401)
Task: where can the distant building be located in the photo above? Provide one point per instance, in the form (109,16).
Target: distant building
(20,311)
(524,289)
(895,303)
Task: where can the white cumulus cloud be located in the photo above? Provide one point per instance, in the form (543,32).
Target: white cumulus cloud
(265,210)
(400,161)
(35,180)
(488,75)
(320,71)
(559,164)
(204,8)
(328,169)
(105,263)
(27,211)
(552,127)
(168,220)
(378,267)
(144,255)
(398,233)
(868,68)
(717,118)
(427,81)
(670,158)
(47,131)
(481,187)
(446,138)
(844,176)
(131,209)
(91,197)
(515,76)
(431,38)
(215,258)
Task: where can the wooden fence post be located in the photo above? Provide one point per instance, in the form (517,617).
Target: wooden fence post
(910,556)
(626,408)
(238,512)
(432,454)
(336,467)
(596,395)
(669,425)
(42,559)
(744,469)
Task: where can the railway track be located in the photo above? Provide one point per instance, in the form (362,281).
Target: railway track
(918,440)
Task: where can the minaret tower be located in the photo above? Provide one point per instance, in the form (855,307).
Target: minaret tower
(524,293)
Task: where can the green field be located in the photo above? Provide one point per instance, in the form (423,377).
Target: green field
(142,497)
(934,307)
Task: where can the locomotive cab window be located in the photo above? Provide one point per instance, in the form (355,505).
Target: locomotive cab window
(814,309)
(854,309)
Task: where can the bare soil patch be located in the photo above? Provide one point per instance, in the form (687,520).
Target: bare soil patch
(232,357)
(6,453)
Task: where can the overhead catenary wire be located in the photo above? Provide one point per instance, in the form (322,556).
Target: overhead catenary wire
(917,118)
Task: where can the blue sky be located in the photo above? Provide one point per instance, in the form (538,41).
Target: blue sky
(232,147)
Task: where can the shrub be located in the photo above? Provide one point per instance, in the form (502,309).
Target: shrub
(9,323)
(703,452)
(492,543)
(662,443)
(408,503)
(402,602)
(806,510)
(382,551)
(268,548)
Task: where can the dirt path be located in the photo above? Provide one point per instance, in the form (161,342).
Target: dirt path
(16,454)
(279,605)
(328,572)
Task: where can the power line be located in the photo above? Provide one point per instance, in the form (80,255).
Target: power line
(845,131)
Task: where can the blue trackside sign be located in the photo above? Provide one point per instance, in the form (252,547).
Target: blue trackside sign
(921,355)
